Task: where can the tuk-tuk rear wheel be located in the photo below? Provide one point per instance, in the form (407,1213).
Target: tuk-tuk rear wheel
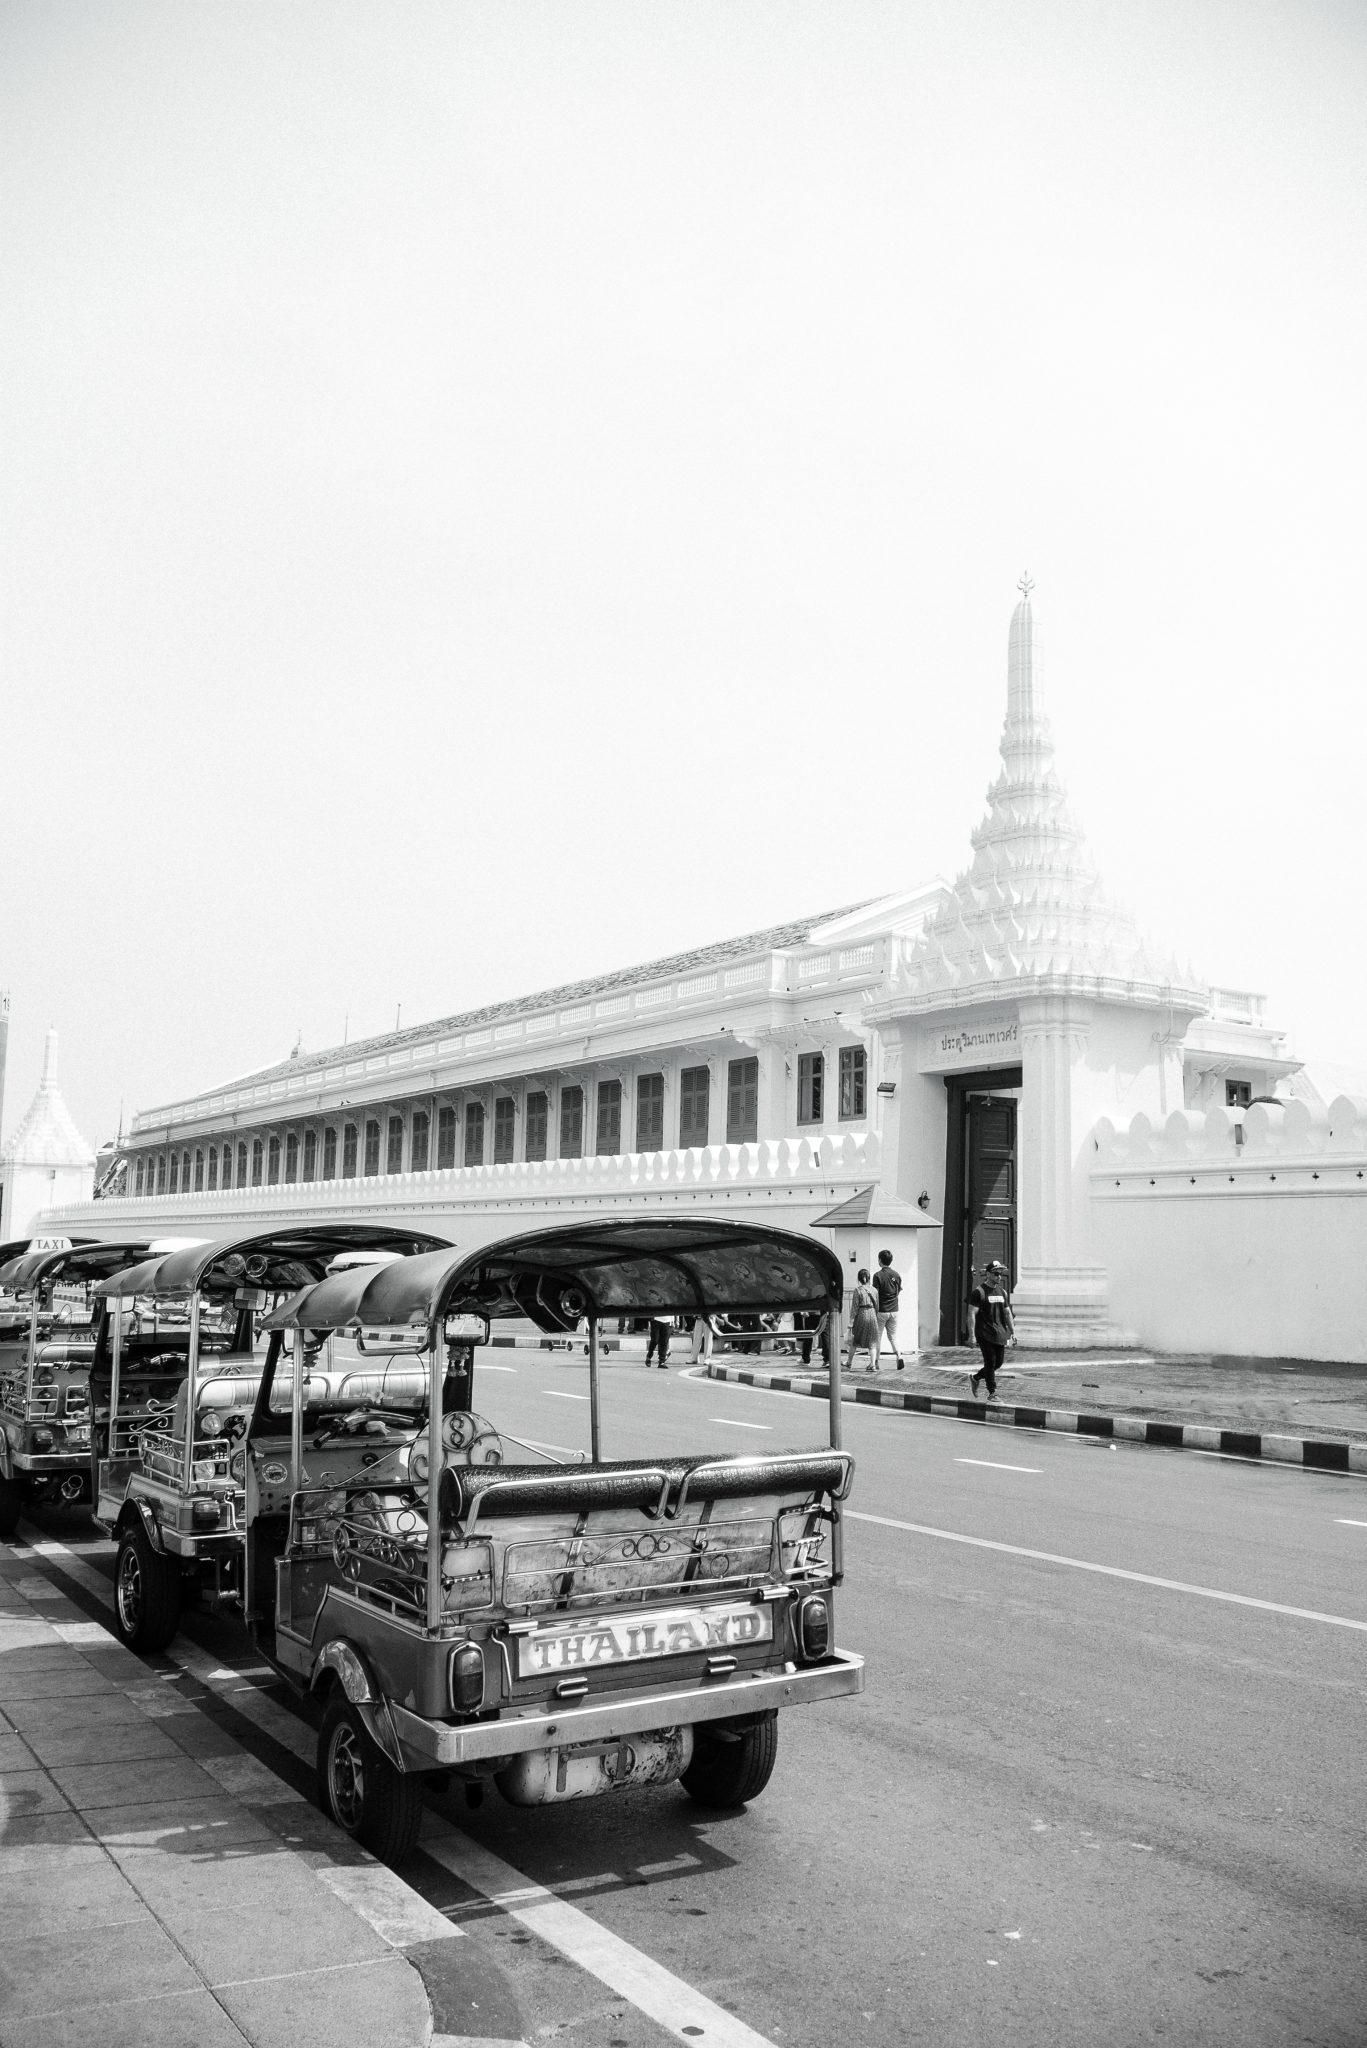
(360,1788)
(146,1593)
(729,1766)
(11,1506)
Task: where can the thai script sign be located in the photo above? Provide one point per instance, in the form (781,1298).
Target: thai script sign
(624,1639)
(947,1047)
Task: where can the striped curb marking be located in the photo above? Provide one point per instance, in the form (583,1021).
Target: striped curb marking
(1320,1454)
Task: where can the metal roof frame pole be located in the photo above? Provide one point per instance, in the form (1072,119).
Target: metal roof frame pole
(434,1481)
(32,1350)
(837,1518)
(297,1411)
(115,1374)
(833,1322)
(595,1425)
(190,1379)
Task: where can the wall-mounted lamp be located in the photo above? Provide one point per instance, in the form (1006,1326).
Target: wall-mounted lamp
(923,1200)
(887,1087)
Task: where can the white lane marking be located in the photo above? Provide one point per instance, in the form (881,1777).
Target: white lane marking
(731,1422)
(653,1990)
(558,1394)
(992,1462)
(1347,1522)
(1112,1571)
(535,1444)
(674,2005)
(497,1368)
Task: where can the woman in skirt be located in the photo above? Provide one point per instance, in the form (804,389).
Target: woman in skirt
(864,1331)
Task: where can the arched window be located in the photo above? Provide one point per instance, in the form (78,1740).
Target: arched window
(329,1155)
(421,1125)
(242,1164)
(161,1173)
(137,1178)
(372,1145)
(292,1156)
(310,1155)
(273,1161)
(175,1172)
(349,1152)
(393,1161)
(199,1168)
(258,1154)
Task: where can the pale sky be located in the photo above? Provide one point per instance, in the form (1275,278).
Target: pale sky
(496,492)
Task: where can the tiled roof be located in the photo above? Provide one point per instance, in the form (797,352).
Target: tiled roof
(775,938)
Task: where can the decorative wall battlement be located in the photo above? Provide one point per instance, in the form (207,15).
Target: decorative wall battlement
(778,1165)
(1235,1140)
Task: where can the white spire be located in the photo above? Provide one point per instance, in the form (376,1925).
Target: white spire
(1031,908)
(48,1135)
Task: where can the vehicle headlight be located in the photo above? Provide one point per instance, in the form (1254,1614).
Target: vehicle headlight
(210,1424)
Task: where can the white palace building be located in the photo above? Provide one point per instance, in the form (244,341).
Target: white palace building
(1001,1067)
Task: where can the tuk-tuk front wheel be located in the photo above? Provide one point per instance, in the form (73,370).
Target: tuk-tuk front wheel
(146,1593)
(730,1766)
(360,1788)
(11,1506)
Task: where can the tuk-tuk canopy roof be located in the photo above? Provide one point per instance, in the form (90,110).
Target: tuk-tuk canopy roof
(76,1262)
(274,1260)
(637,1267)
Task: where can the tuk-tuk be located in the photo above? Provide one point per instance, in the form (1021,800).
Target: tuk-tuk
(558,1631)
(174,1376)
(48,1320)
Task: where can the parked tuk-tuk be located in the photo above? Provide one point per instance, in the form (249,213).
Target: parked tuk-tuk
(48,1323)
(174,1375)
(557,1631)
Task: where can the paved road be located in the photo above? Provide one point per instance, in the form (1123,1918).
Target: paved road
(1074,1806)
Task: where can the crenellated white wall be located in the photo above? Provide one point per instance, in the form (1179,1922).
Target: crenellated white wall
(784,1181)
(1242,1232)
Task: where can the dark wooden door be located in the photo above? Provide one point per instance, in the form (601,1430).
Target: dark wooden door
(992,1181)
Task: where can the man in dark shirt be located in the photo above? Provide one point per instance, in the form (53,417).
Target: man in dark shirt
(887,1285)
(993,1325)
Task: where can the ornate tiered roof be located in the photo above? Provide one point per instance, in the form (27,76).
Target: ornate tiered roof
(1031,911)
(48,1135)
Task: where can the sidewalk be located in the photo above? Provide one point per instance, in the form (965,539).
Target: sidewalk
(159,1886)
(1295,1410)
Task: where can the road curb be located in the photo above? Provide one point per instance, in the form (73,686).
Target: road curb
(1319,1454)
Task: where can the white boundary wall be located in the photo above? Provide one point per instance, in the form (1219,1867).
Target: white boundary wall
(785,1182)
(1242,1232)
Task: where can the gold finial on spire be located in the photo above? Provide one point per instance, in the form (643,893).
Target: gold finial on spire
(1025,586)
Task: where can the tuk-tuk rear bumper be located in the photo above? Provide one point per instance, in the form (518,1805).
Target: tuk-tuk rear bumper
(428,1745)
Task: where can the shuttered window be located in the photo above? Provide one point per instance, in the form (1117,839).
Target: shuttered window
(694,1086)
(572,1122)
(742,1102)
(538,1118)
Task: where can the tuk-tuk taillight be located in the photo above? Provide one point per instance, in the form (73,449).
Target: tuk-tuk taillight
(814,1628)
(467,1678)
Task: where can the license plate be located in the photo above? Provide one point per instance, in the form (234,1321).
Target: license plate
(631,1638)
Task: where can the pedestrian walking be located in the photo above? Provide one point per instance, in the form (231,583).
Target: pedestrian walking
(658,1341)
(864,1332)
(993,1325)
(887,1285)
(703,1334)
